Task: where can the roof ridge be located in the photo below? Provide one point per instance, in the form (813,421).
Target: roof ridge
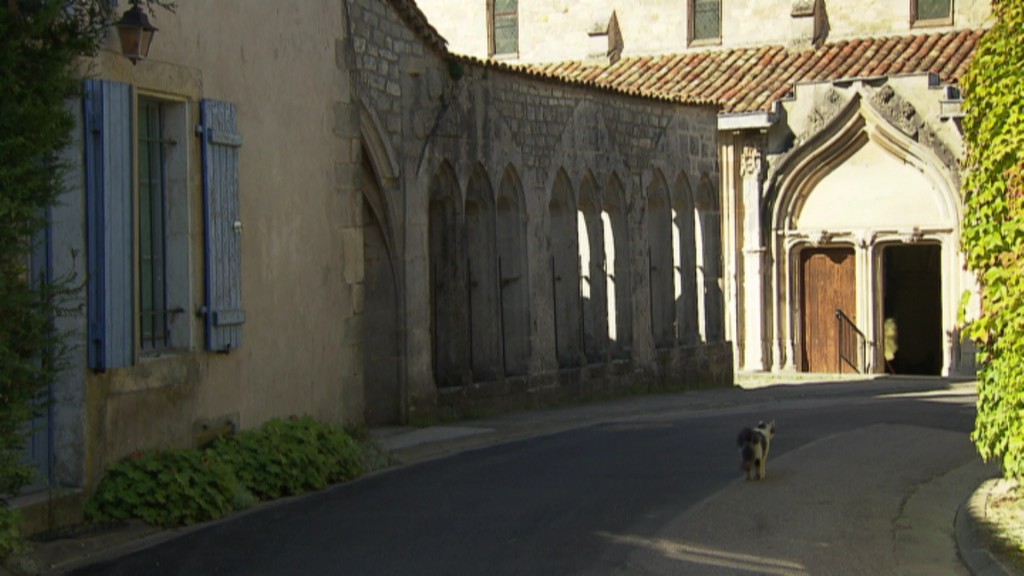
(751,78)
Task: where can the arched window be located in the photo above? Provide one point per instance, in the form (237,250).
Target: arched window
(685,262)
(709,265)
(592,276)
(565,272)
(660,263)
(449,319)
(619,282)
(482,274)
(513,275)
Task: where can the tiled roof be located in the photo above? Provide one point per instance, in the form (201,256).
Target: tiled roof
(752,79)
(587,82)
(418,24)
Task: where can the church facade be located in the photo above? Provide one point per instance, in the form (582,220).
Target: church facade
(839,143)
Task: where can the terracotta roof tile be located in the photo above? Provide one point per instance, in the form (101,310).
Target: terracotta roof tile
(752,79)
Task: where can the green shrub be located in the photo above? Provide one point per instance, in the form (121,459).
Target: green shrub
(167,488)
(10,536)
(993,232)
(292,456)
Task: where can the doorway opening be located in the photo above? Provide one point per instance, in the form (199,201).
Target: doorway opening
(912,309)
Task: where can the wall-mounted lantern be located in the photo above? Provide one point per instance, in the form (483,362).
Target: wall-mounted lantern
(136,33)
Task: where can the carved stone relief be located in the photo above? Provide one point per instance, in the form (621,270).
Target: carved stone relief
(904,116)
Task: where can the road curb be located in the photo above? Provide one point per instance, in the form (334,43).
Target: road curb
(973,539)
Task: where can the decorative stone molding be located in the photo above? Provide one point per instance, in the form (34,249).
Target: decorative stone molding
(866,238)
(751,162)
(912,236)
(826,107)
(820,237)
(904,116)
(802,8)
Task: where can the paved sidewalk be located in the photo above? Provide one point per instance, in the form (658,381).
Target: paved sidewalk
(936,523)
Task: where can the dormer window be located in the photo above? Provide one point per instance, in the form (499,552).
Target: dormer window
(931,12)
(705,21)
(504,27)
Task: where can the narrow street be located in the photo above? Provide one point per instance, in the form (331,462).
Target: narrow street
(863,478)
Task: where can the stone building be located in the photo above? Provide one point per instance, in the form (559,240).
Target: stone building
(312,207)
(839,142)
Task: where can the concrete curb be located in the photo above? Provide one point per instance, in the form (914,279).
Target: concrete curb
(977,548)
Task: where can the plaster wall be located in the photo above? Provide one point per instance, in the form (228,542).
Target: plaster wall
(301,241)
(557,30)
(871,189)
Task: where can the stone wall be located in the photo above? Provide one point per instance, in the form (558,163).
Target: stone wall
(466,165)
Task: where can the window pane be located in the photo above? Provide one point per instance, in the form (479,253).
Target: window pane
(933,9)
(151,244)
(506,26)
(707,19)
(506,36)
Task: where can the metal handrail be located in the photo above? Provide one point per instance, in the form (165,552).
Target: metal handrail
(851,344)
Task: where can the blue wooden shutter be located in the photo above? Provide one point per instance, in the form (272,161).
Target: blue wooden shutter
(109,246)
(221,141)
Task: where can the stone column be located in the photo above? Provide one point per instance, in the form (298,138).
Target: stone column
(751,180)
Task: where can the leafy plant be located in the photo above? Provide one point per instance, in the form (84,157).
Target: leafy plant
(167,488)
(285,457)
(41,44)
(10,536)
(993,232)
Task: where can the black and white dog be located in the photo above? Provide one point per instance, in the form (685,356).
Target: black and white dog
(754,444)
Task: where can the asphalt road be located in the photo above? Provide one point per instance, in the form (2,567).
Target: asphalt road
(646,494)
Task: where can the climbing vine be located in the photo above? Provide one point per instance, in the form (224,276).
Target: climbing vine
(993,232)
(41,44)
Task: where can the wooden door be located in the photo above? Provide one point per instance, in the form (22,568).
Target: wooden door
(828,283)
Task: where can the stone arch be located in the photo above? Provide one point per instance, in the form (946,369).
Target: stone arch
(618,270)
(908,195)
(377,146)
(512,262)
(482,273)
(449,334)
(382,390)
(711,302)
(660,261)
(853,128)
(592,275)
(564,239)
(684,218)
(379,157)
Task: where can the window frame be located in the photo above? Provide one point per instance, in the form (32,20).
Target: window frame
(175,260)
(692,38)
(492,27)
(917,22)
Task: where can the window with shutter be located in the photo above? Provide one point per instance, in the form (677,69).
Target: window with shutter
(137,220)
(108,157)
(223,284)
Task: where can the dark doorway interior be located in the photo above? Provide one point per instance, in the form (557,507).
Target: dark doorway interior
(912,309)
